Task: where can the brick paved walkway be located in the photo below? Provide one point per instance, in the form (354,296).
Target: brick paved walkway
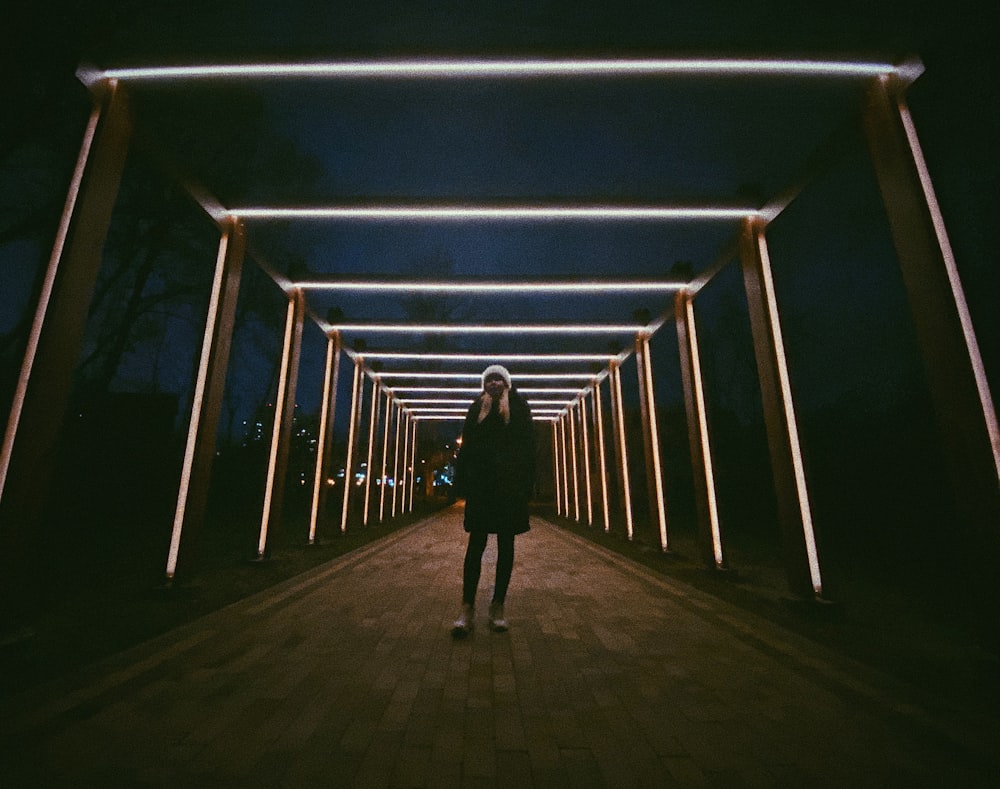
(610,676)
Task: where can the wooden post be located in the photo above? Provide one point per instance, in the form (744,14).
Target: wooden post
(651,440)
(801,557)
(709,532)
(41,395)
(199,453)
(357,389)
(284,413)
(372,422)
(622,475)
(602,468)
(955,373)
(328,410)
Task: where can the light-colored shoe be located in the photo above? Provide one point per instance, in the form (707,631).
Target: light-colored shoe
(463,625)
(498,623)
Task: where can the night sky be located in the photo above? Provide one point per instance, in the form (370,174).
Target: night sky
(635,140)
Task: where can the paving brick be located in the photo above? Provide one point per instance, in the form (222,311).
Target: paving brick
(611,675)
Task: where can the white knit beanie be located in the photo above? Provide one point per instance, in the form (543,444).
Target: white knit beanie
(496,369)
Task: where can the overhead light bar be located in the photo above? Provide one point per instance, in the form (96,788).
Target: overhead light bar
(474,391)
(490,288)
(520,328)
(507,68)
(490,357)
(501,212)
(438,410)
(478,376)
(459,418)
(436,389)
(422,402)
(407,401)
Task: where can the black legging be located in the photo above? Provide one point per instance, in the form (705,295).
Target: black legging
(473,566)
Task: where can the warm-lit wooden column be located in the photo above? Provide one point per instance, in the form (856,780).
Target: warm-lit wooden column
(41,394)
(585,458)
(384,459)
(651,439)
(602,467)
(284,414)
(709,532)
(395,459)
(405,475)
(801,558)
(413,461)
(956,376)
(622,475)
(199,453)
(565,463)
(357,390)
(575,462)
(372,422)
(557,489)
(328,410)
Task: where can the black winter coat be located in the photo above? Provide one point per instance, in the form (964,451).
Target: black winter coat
(495,469)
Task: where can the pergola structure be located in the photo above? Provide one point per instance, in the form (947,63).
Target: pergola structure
(569,390)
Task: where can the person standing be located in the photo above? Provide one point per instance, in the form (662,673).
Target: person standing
(495,474)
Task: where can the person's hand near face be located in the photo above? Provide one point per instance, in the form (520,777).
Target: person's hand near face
(494,386)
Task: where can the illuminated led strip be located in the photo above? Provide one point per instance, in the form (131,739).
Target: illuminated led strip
(477,390)
(489,357)
(279,410)
(401,482)
(411,401)
(647,382)
(479,376)
(555,467)
(201,384)
(661,213)
(957,292)
(413,462)
(585,444)
(706,448)
(458,418)
(324,421)
(616,378)
(406,476)
(395,460)
(384,472)
(601,452)
(459,401)
(786,399)
(370,449)
(34,336)
(537,406)
(576,466)
(349,470)
(561,425)
(521,328)
(510,68)
(490,288)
